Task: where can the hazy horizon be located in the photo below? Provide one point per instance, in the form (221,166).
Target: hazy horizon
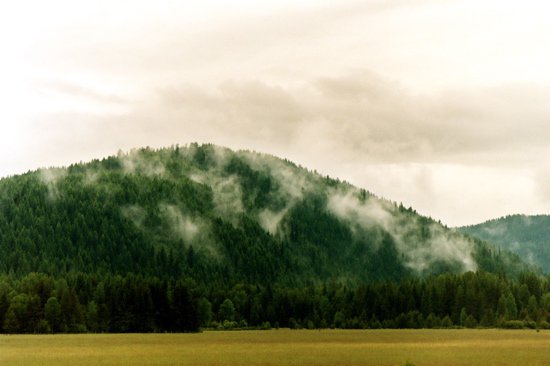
(440,105)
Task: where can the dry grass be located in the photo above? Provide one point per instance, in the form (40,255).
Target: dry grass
(282,347)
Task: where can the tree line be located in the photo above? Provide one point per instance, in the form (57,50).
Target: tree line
(39,303)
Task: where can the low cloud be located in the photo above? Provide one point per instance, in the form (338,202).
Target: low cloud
(380,84)
(135,162)
(360,120)
(136,214)
(362,114)
(438,244)
(270,220)
(182,225)
(226,190)
(51,177)
(290,184)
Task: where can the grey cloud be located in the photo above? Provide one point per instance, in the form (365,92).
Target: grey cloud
(76,90)
(359,86)
(252,108)
(327,122)
(288,82)
(363,115)
(358,117)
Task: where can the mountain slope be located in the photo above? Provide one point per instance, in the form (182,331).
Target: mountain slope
(528,236)
(221,216)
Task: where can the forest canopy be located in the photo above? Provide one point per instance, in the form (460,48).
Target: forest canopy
(149,240)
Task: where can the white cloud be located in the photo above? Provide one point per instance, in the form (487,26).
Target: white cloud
(425,102)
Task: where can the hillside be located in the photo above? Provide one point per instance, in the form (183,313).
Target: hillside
(175,239)
(528,236)
(217,215)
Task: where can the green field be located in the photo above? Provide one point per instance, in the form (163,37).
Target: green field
(283,347)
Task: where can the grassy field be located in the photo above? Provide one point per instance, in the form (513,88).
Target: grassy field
(283,347)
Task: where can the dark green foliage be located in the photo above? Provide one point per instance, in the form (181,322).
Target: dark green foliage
(217,216)
(227,311)
(177,238)
(468,300)
(528,236)
(23,314)
(52,314)
(113,303)
(204,309)
(106,304)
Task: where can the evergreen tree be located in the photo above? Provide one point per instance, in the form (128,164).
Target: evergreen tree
(52,314)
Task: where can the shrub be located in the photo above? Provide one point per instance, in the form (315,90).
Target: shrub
(446,322)
(513,324)
(432,321)
(293,324)
(229,324)
(470,322)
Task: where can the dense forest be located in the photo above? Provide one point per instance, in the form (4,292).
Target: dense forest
(79,303)
(528,236)
(158,240)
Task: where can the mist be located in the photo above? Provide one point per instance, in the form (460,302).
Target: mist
(420,249)
(421,242)
(51,177)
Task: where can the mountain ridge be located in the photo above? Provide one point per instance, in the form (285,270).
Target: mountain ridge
(175,239)
(526,235)
(214,214)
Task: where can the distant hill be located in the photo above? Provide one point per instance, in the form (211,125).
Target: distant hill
(528,236)
(221,216)
(179,238)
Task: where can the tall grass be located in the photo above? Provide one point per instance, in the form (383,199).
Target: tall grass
(282,347)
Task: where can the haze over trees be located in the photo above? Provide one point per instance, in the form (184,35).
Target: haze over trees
(528,236)
(183,237)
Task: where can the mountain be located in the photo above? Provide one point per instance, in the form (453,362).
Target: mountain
(179,238)
(528,236)
(221,216)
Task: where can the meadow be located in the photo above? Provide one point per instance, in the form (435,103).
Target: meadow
(282,347)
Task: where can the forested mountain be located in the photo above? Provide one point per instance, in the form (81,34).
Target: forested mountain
(212,214)
(528,236)
(170,239)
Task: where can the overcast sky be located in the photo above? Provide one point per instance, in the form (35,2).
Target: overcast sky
(441,105)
